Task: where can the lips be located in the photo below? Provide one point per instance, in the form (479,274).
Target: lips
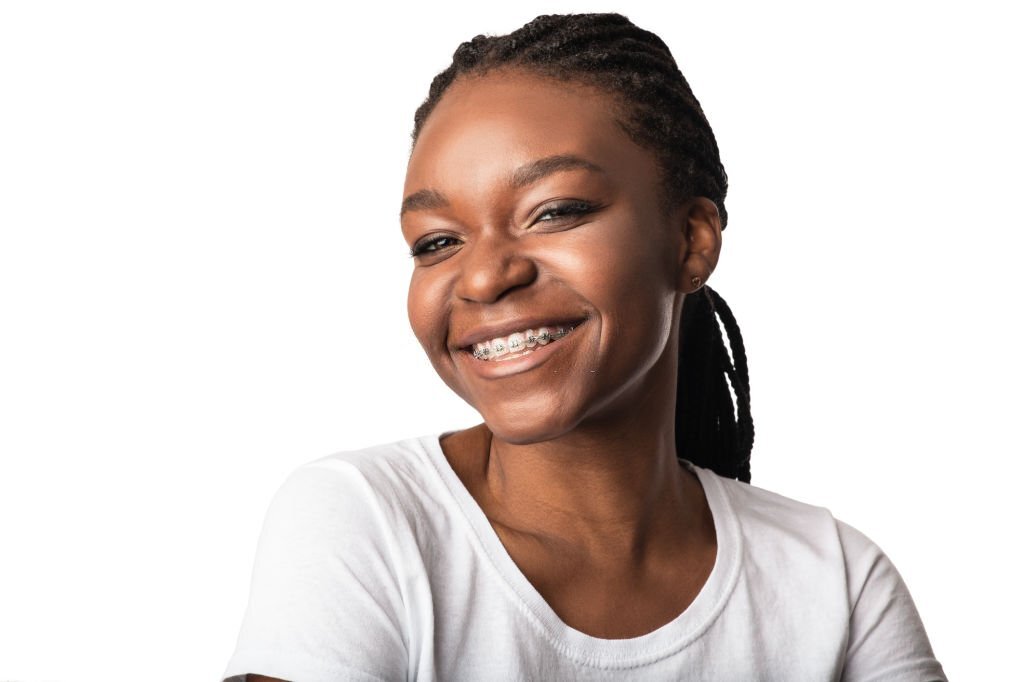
(465,341)
(521,365)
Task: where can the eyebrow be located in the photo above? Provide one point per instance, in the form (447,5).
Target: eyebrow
(526,174)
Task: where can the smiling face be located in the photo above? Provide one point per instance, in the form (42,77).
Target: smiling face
(527,204)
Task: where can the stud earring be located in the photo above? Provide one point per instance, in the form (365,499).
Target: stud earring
(695,281)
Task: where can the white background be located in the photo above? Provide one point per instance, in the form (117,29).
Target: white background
(202,286)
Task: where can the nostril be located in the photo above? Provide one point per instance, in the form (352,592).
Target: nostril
(494,274)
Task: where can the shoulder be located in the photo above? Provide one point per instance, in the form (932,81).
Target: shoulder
(387,479)
(806,539)
(384,464)
(376,502)
(331,576)
(799,555)
(766,517)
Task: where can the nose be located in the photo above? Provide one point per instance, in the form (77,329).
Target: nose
(494,265)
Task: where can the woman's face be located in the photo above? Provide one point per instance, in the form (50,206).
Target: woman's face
(535,207)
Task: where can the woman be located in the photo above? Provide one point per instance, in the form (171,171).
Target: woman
(564,204)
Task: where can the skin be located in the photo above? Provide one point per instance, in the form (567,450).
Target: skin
(575,462)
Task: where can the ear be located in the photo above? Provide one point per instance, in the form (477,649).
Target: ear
(701,242)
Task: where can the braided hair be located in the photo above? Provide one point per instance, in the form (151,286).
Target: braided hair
(658,111)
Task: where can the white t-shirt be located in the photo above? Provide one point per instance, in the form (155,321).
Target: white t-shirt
(377,564)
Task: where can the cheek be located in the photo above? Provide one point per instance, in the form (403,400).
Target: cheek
(620,266)
(425,308)
(624,272)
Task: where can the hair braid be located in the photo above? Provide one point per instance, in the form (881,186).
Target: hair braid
(657,109)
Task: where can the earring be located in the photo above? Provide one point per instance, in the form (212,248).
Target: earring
(695,281)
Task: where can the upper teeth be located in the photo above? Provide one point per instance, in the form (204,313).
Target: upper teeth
(514,343)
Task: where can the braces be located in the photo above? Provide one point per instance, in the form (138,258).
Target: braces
(543,338)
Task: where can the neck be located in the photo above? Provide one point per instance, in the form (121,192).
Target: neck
(612,488)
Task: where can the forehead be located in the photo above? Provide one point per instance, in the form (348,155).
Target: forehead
(484,126)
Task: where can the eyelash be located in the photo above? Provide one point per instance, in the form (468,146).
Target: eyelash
(576,207)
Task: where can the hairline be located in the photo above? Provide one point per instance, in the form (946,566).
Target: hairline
(623,113)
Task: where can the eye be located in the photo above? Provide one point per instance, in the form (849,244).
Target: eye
(576,207)
(430,245)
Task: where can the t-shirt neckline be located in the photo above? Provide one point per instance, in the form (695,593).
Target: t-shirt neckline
(581,647)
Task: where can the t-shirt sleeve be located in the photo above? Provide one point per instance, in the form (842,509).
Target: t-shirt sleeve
(887,638)
(324,601)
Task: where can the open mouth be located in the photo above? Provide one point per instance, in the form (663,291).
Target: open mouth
(523,342)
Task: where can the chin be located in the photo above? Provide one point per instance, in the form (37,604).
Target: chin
(523,427)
